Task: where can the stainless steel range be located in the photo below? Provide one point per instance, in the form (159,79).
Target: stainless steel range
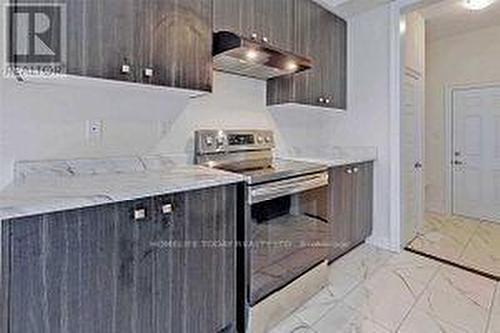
(286,208)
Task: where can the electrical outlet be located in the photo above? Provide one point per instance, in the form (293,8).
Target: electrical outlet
(94,131)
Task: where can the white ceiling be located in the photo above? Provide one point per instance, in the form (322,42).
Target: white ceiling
(347,8)
(448,18)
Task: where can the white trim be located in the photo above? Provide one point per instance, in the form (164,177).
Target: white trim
(383,243)
(448,137)
(395,106)
(448,149)
(397,9)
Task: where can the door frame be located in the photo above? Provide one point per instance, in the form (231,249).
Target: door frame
(398,9)
(420,79)
(450,89)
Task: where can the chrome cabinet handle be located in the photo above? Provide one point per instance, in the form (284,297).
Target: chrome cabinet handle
(355,170)
(148,72)
(325,100)
(125,69)
(254,35)
(139,214)
(265,39)
(265,192)
(167,209)
(349,171)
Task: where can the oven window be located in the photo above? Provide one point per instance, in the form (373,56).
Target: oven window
(289,236)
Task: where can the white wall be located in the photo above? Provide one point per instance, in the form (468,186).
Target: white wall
(414,43)
(464,59)
(49,121)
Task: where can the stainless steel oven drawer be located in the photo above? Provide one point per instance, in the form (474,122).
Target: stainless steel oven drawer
(272,190)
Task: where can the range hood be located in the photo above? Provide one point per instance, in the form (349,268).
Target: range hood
(247,57)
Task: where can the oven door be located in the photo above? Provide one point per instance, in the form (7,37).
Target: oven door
(289,231)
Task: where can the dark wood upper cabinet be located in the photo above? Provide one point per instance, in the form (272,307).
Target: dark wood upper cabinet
(322,36)
(237,16)
(272,21)
(275,22)
(99,269)
(101,39)
(160,42)
(174,43)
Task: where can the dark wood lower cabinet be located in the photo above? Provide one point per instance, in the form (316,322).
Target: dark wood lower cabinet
(351,213)
(99,270)
(363,203)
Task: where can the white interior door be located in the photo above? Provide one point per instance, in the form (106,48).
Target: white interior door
(476,149)
(412,155)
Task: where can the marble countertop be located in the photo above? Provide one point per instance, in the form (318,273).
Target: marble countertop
(332,156)
(38,195)
(49,186)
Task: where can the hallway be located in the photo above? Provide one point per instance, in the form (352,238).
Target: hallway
(466,242)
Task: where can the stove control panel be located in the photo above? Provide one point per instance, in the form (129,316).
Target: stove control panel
(220,141)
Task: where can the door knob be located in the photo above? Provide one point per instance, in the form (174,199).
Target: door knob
(254,35)
(265,39)
(355,170)
(349,171)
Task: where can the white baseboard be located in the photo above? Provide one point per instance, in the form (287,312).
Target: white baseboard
(383,243)
(435,208)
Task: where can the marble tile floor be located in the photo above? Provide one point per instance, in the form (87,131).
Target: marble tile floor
(469,243)
(375,291)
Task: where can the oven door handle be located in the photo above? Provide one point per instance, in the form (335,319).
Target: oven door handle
(272,190)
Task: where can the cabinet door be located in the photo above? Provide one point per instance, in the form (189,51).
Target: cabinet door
(237,16)
(205,282)
(333,58)
(274,21)
(341,215)
(321,36)
(101,38)
(363,202)
(174,43)
(72,271)
(306,87)
(308,42)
